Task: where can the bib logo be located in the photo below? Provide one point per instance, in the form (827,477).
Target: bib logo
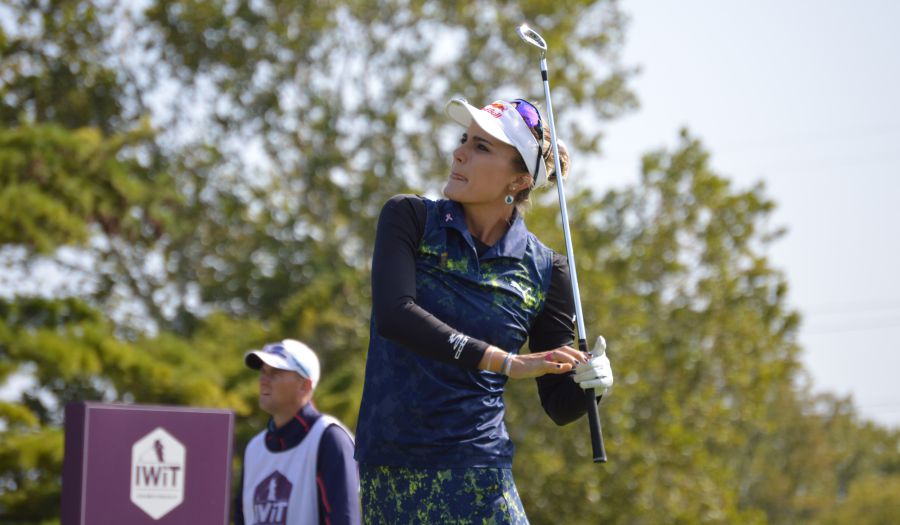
(157,473)
(270,500)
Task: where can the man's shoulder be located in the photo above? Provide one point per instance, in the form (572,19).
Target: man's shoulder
(256,446)
(257,440)
(336,444)
(335,431)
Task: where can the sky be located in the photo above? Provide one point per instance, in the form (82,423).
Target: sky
(804,96)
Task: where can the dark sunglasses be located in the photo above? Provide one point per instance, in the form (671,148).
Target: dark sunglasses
(532,118)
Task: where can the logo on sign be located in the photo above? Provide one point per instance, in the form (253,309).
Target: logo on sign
(270,500)
(157,473)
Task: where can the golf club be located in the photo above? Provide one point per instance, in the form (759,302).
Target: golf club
(531,37)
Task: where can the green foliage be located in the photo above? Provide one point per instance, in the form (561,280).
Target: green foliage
(706,423)
(217,169)
(60,68)
(337,103)
(30,466)
(57,184)
(871,499)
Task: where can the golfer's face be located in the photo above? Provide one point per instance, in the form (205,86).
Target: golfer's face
(279,390)
(482,169)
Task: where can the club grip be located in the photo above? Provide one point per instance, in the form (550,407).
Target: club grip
(594,420)
(590,398)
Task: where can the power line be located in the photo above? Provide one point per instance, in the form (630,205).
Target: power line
(880,314)
(791,143)
(853,321)
(890,405)
(850,307)
(833,330)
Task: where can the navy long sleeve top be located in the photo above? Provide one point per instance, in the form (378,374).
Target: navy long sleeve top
(427,269)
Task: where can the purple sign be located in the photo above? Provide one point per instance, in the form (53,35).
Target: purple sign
(140,464)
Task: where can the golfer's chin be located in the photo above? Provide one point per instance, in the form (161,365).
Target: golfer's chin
(453,190)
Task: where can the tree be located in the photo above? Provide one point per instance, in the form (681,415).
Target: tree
(699,336)
(871,499)
(285,137)
(707,422)
(336,104)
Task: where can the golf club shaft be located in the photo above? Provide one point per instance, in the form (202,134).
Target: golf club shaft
(599,451)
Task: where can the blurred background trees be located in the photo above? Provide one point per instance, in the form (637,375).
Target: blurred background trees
(185,180)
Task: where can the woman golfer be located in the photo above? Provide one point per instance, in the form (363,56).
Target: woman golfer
(458,285)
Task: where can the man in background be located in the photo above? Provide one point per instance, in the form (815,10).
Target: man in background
(300,469)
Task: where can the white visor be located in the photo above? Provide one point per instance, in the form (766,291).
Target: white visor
(502,121)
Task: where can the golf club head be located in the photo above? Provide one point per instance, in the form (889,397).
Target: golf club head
(531,36)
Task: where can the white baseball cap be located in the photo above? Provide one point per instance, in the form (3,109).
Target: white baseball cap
(509,122)
(290,355)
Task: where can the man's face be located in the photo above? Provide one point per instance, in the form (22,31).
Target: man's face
(280,391)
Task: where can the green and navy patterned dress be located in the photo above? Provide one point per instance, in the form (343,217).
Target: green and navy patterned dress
(431,440)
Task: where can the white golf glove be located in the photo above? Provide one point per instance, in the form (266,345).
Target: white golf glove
(596,373)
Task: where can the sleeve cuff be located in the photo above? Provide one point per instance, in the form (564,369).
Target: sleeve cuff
(472,354)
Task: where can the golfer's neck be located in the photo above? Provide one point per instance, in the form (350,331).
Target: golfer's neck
(488,223)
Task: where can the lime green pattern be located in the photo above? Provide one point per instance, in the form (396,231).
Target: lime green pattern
(470,496)
(458,265)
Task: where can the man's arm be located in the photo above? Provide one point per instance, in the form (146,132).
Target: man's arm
(337,479)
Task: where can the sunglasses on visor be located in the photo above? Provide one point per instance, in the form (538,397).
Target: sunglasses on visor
(532,118)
